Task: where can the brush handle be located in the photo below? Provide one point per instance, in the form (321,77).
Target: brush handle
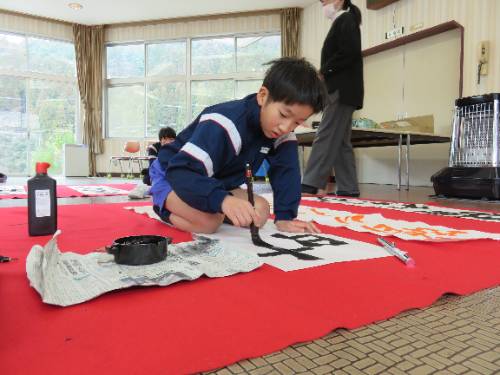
(254,231)
(249,182)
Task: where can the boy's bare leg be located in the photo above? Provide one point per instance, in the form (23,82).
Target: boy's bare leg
(261,205)
(190,219)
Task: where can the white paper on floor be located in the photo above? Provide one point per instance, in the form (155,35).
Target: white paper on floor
(12,190)
(98,190)
(300,250)
(382,226)
(417,208)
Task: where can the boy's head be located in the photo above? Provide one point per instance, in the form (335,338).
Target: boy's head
(166,135)
(291,92)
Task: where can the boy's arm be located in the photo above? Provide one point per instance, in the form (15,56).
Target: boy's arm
(153,152)
(190,172)
(285,181)
(285,177)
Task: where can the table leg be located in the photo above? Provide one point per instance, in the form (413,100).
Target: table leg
(303,159)
(408,142)
(400,146)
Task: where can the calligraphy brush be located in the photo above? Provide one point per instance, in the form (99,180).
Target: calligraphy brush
(254,231)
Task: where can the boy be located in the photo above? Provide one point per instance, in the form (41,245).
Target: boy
(195,178)
(165,135)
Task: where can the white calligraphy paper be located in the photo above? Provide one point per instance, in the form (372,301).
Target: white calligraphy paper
(382,226)
(12,190)
(293,251)
(417,208)
(98,190)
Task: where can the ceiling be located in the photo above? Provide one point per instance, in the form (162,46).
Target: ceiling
(97,12)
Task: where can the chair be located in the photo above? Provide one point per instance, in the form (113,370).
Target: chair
(144,158)
(130,148)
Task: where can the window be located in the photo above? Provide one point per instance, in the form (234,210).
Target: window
(126,111)
(166,58)
(51,57)
(212,56)
(151,85)
(253,52)
(125,61)
(166,106)
(243,88)
(38,102)
(206,93)
(166,93)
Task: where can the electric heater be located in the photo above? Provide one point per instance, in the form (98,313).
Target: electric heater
(474,165)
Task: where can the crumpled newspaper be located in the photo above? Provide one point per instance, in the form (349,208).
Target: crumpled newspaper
(68,278)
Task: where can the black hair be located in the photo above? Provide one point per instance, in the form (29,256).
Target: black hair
(295,81)
(353,9)
(166,132)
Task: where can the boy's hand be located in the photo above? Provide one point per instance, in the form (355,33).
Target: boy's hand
(297,226)
(240,211)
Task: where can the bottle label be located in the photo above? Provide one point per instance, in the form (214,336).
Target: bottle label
(42,203)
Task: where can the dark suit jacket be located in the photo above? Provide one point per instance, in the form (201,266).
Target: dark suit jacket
(341,60)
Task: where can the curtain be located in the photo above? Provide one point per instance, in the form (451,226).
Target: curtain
(290,32)
(89,47)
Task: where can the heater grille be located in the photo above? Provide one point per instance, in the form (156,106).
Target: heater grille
(475,139)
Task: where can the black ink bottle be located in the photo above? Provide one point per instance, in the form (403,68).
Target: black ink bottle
(42,202)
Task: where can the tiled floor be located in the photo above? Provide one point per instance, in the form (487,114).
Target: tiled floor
(456,335)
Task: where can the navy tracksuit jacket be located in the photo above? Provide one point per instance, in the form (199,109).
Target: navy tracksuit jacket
(208,158)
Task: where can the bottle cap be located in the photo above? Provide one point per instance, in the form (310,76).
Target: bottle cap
(41,167)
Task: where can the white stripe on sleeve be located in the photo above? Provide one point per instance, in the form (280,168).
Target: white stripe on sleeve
(228,126)
(199,154)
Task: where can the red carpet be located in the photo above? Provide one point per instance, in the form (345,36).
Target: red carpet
(209,323)
(64,191)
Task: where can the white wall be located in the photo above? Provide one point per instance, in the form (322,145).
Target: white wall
(480,18)
(481,21)
(20,23)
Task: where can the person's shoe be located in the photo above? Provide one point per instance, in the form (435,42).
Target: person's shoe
(139,192)
(342,193)
(3,178)
(307,189)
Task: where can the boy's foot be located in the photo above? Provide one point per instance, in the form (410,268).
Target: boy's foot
(307,189)
(139,192)
(342,193)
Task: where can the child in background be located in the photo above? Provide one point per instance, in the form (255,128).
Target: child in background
(166,135)
(195,179)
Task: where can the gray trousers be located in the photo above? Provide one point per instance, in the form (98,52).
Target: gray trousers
(332,148)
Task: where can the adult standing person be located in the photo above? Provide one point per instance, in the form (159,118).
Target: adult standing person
(342,71)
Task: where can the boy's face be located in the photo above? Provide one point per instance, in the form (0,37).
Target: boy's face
(278,118)
(166,140)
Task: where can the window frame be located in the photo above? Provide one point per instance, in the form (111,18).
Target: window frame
(187,78)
